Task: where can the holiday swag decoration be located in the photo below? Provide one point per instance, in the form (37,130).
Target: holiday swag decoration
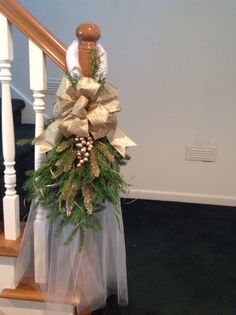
(84,151)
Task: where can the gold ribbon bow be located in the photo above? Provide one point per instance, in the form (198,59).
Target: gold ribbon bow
(80,111)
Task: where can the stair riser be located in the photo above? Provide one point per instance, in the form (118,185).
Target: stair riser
(7,272)
(8,277)
(17,307)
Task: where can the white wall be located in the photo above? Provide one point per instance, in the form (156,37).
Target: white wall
(174,63)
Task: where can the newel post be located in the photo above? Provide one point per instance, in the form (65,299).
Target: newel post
(88,34)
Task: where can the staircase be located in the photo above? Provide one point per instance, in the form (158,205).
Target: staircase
(24,156)
(23,297)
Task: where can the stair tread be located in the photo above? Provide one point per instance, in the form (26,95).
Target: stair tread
(27,289)
(24,291)
(8,247)
(30,291)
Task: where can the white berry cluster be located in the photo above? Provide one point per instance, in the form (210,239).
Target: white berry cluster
(83,145)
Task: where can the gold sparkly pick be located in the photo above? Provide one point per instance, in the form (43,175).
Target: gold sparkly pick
(64,145)
(88,196)
(105,151)
(94,163)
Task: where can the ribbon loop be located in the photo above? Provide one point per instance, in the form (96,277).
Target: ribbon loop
(82,110)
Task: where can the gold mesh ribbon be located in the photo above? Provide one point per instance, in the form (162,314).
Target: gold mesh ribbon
(80,111)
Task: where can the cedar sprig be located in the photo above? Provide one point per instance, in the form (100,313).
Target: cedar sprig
(96,71)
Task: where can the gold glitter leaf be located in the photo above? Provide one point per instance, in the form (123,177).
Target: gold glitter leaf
(88,196)
(58,162)
(65,190)
(70,161)
(64,145)
(94,163)
(70,190)
(57,172)
(69,206)
(105,151)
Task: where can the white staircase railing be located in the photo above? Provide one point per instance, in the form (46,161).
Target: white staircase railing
(38,84)
(11,199)
(42,43)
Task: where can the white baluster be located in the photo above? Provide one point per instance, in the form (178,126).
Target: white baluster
(38,85)
(11,199)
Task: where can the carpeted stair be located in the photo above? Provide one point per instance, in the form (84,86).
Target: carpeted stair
(24,155)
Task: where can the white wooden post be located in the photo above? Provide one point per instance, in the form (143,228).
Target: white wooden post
(38,84)
(11,199)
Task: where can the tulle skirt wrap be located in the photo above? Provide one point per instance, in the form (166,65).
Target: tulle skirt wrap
(88,276)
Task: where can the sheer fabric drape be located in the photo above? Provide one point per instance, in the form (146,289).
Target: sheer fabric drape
(83,277)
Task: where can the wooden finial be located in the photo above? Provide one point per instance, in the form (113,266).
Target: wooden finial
(87,34)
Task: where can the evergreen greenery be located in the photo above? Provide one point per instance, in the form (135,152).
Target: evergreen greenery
(73,194)
(58,185)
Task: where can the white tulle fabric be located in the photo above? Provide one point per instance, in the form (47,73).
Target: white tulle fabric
(89,276)
(83,277)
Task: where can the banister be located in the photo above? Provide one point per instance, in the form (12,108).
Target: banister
(35,31)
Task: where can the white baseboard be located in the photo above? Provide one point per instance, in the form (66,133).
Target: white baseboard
(222,200)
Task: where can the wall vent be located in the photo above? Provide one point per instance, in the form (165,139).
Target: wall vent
(200,153)
(52,86)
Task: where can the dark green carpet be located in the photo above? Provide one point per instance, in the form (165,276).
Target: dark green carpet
(181,259)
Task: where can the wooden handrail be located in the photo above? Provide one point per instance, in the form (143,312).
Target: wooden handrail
(35,31)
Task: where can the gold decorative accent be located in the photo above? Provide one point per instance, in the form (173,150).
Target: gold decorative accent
(105,151)
(94,164)
(70,161)
(68,194)
(57,172)
(81,111)
(65,190)
(69,206)
(64,145)
(83,147)
(88,196)
(59,162)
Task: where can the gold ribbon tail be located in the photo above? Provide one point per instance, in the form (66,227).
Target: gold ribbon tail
(49,137)
(119,140)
